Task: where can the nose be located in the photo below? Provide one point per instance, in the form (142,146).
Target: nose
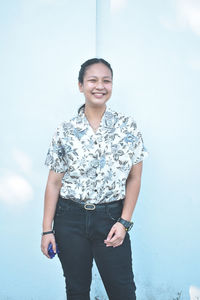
(99,85)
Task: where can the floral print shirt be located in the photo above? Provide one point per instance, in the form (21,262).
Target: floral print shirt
(96,165)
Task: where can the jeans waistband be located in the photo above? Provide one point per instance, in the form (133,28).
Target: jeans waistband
(90,206)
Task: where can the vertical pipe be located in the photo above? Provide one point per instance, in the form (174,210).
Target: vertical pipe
(97,28)
(102,27)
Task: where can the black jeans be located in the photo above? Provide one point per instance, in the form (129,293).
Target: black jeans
(80,235)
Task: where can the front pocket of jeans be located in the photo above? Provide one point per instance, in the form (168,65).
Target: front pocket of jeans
(114,213)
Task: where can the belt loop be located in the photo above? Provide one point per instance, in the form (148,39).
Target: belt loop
(107,208)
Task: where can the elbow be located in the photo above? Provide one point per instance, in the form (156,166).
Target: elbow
(55,185)
(133,179)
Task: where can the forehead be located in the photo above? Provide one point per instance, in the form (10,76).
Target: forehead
(98,70)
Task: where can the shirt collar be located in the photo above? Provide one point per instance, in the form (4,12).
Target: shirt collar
(108,119)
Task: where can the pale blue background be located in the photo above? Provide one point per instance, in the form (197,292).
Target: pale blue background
(154,49)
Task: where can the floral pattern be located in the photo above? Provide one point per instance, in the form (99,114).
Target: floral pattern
(96,165)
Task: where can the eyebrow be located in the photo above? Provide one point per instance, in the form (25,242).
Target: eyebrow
(93,76)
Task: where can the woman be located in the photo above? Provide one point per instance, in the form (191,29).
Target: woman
(95,163)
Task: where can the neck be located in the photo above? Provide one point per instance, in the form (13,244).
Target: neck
(94,113)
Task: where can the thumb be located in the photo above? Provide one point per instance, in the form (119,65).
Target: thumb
(54,246)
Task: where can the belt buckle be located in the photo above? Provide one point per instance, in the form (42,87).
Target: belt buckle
(89,206)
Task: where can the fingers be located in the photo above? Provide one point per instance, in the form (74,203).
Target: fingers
(46,240)
(110,234)
(118,244)
(44,249)
(116,236)
(115,241)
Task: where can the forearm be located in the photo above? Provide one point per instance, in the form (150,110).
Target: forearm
(117,233)
(132,193)
(50,201)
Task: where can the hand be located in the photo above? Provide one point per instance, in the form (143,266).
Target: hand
(116,235)
(46,240)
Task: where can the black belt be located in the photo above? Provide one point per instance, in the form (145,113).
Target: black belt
(91,206)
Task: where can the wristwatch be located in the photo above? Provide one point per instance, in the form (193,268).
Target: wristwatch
(128,225)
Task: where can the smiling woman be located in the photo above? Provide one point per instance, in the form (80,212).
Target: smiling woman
(95,162)
(97,84)
(97,89)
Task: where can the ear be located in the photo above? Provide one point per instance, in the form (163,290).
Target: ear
(80,85)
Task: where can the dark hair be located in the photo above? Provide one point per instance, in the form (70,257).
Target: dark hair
(84,68)
(90,62)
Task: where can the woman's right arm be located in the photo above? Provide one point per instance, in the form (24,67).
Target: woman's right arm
(52,191)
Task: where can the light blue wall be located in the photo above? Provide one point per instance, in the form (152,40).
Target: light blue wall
(154,48)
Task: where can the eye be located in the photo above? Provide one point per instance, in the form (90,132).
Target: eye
(107,81)
(92,80)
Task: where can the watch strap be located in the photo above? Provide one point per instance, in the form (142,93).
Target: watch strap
(48,232)
(128,225)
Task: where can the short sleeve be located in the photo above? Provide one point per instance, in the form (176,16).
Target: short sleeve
(56,159)
(139,150)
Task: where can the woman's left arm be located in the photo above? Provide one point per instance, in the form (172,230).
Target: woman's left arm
(117,233)
(133,184)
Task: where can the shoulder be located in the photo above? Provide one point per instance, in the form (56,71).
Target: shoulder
(123,119)
(67,125)
(64,127)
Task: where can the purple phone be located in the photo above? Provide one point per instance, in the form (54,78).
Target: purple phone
(51,252)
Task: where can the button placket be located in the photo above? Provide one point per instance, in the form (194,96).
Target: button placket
(96,163)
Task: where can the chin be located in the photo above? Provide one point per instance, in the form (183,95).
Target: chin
(97,103)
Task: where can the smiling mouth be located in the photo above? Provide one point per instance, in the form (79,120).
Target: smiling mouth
(98,94)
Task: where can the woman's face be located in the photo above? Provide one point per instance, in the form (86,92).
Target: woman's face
(97,85)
